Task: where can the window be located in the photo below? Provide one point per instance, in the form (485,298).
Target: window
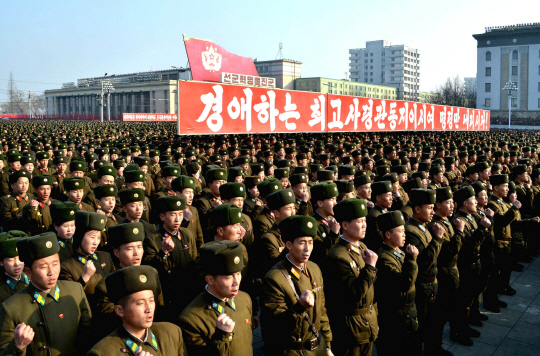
(371,67)
(488,87)
(514,70)
(488,56)
(371,61)
(487,103)
(538,102)
(514,102)
(371,54)
(488,71)
(539,86)
(514,54)
(371,80)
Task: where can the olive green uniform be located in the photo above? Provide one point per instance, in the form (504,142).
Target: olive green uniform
(325,239)
(270,250)
(204,205)
(374,237)
(37,219)
(9,210)
(10,286)
(251,209)
(66,249)
(264,222)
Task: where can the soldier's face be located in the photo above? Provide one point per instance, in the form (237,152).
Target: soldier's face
(66,230)
(138,185)
(29,167)
(214,186)
(130,254)
(172,219)
(364,191)
(238,179)
(225,286)
(299,189)
(403,178)
(90,242)
(424,213)
(327,206)
(43,163)
(300,249)
(168,181)
(188,193)
(254,192)
(238,201)
(484,175)
(20,186)
(106,179)
(445,208)
(13,266)
(137,313)
(44,272)
(355,228)
(107,204)
(75,195)
(395,237)
(285,212)
(384,200)
(133,210)
(482,198)
(61,168)
(231,232)
(43,192)
(284,183)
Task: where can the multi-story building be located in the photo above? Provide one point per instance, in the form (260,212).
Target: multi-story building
(470,85)
(285,71)
(386,64)
(345,87)
(509,54)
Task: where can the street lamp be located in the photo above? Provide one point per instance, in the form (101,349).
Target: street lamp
(510,86)
(108,87)
(30,104)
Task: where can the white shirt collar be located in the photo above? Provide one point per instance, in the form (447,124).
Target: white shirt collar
(215,296)
(301,269)
(136,338)
(352,243)
(16,279)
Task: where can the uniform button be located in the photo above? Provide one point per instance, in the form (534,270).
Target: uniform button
(40,323)
(169,271)
(42,348)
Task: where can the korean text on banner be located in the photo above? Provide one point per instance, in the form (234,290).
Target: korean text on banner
(149,117)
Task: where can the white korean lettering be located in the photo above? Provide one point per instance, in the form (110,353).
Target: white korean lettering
(336,115)
(367,115)
(403,115)
(317,112)
(214,103)
(381,115)
(290,113)
(242,109)
(392,117)
(354,114)
(267,109)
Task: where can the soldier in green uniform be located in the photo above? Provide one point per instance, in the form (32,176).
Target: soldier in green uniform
(77,168)
(362,184)
(383,197)
(323,196)
(409,185)
(395,290)
(265,220)
(169,173)
(235,193)
(525,195)
(429,246)
(36,216)
(106,197)
(134,291)
(185,186)
(214,178)
(48,316)
(106,175)
(172,250)
(61,165)
(293,313)
(74,188)
(14,161)
(14,278)
(299,186)
(252,204)
(135,180)
(350,274)
(218,321)
(63,221)
(12,208)
(133,207)
(43,165)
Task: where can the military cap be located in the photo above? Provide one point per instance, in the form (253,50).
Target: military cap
(481,166)
(222,257)
(13,177)
(511,188)
(443,194)
(421,175)
(360,180)
(497,179)
(86,221)
(281,173)
(422,196)
(268,186)
(74,183)
(240,160)
(463,194)
(60,159)
(298,178)
(221,152)
(535,173)
(252,181)
(106,190)
(180,183)
(390,220)
(256,168)
(131,176)
(42,155)
(478,187)
(350,209)
(381,187)
(392,177)
(411,184)
(106,171)
(63,212)
(8,245)
(129,280)
(346,170)
(131,195)
(280,198)
(170,203)
(77,165)
(325,175)
(519,169)
(37,247)
(301,169)
(315,167)
(283,163)
(435,169)
(463,154)
(232,190)
(400,169)
(382,170)
(26,160)
(14,157)
(424,166)
(119,163)
(296,226)
(225,214)
(170,171)
(323,191)
(216,174)
(38,181)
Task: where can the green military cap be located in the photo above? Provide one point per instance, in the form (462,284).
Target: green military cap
(281,173)
(132,167)
(350,209)
(268,186)
(62,212)
(8,246)
(13,177)
(497,179)
(74,183)
(344,186)
(154,153)
(298,178)
(391,177)
(216,174)
(86,221)
(421,175)
(192,167)
(125,233)
(511,188)
(170,203)
(400,169)
(435,169)
(180,183)
(478,187)
(42,155)
(323,191)
(519,169)
(106,190)
(443,194)
(240,160)
(481,166)
(301,169)
(390,220)
(234,172)
(251,182)
(14,157)
(382,170)
(60,159)
(256,168)
(119,163)
(134,176)
(131,195)
(170,171)
(26,159)
(332,168)
(37,247)
(232,190)
(346,170)
(283,163)
(129,280)
(106,171)
(535,173)
(463,154)
(77,165)
(38,181)
(463,194)
(360,180)
(222,257)
(381,187)
(316,167)
(296,226)
(279,199)
(225,214)
(325,175)
(422,196)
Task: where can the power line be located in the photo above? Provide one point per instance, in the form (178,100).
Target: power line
(24,81)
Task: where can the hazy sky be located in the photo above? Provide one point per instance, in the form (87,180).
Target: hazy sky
(46,43)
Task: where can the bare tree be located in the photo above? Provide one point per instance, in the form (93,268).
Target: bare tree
(452,93)
(18,101)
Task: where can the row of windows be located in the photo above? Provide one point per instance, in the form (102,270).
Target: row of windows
(513,102)
(515,55)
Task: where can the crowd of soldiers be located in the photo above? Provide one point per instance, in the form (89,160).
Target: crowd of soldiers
(128,238)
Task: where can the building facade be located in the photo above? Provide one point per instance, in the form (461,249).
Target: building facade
(470,85)
(285,71)
(345,87)
(386,64)
(509,54)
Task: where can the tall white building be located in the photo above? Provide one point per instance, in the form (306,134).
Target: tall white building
(509,54)
(381,62)
(470,85)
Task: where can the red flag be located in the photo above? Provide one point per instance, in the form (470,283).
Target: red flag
(207,60)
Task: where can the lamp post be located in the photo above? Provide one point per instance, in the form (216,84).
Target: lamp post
(30,104)
(108,87)
(510,86)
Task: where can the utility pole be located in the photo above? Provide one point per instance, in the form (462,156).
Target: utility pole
(108,87)
(510,86)
(101,102)
(30,104)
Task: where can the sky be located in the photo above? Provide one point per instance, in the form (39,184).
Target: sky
(47,43)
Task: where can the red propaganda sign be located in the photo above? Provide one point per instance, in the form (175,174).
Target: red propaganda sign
(207,108)
(207,61)
(149,117)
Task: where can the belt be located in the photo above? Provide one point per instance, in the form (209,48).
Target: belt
(506,239)
(362,311)
(309,345)
(407,306)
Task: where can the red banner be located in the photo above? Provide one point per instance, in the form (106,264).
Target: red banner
(207,108)
(149,117)
(207,60)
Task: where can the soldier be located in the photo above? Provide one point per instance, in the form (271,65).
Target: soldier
(14,161)
(12,207)
(106,196)
(48,314)
(300,188)
(135,180)
(235,193)
(362,183)
(185,186)
(345,189)
(43,165)
(265,220)
(14,278)
(133,207)
(36,216)
(293,312)
(77,168)
(60,164)
(172,250)
(214,178)
(414,183)
(74,189)
(169,173)
(429,246)
(218,321)
(323,196)
(105,175)
(63,221)
(382,191)
(394,290)
(350,273)
(252,204)
(134,291)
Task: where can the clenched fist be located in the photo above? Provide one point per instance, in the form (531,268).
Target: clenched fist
(24,334)
(225,323)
